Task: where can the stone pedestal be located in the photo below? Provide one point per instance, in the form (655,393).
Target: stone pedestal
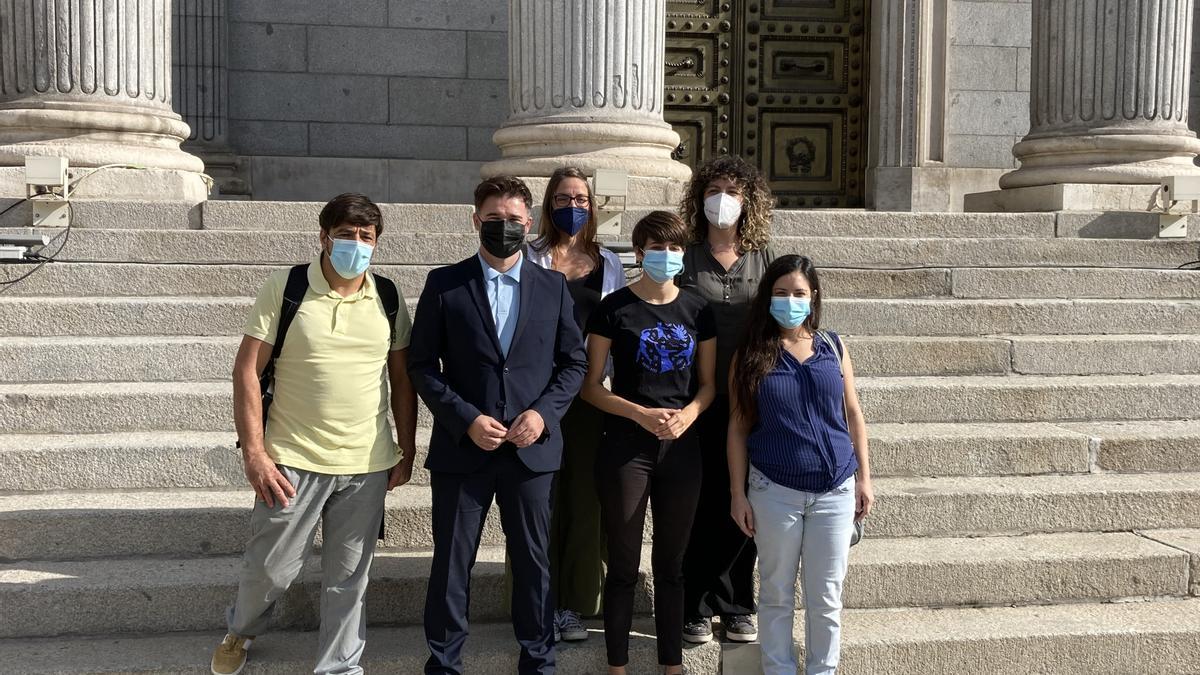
(1108,106)
(90,80)
(586,89)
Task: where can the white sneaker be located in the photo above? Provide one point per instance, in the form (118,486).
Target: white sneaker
(569,626)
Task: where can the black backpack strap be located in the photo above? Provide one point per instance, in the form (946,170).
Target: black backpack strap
(390,297)
(293,295)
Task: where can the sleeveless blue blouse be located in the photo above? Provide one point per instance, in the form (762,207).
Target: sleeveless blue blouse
(801,440)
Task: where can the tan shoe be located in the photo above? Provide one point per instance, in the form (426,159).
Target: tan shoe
(230,656)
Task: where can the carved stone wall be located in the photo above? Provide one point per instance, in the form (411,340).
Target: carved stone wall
(201,87)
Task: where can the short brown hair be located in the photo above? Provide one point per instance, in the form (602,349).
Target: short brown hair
(504,187)
(353,208)
(661,226)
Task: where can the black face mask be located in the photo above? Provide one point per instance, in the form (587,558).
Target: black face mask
(501,238)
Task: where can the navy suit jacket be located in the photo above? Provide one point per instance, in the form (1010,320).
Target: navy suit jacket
(459,370)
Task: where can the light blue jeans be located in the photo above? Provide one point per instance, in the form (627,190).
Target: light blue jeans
(791,526)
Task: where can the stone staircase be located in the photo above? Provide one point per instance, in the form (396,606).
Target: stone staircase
(1034,406)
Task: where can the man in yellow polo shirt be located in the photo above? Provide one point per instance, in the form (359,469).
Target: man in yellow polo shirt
(327,451)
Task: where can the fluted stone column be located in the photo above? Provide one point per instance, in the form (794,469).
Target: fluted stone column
(586,88)
(200,88)
(1108,100)
(91,80)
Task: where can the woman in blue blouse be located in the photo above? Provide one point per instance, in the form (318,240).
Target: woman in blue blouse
(798,439)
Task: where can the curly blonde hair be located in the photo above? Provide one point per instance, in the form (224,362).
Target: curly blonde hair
(754,227)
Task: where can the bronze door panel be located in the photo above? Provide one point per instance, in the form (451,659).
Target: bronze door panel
(793,74)
(699,78)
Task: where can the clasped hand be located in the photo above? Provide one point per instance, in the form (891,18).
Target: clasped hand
(666,424)
(489,434)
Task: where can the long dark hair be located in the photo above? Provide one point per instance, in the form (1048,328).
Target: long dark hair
(550,236)
(758,351)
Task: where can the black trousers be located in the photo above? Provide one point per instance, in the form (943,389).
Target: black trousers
(634,468)
(460,507)
(718,569)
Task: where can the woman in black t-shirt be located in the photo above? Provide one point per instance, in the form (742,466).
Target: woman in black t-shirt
(663,345)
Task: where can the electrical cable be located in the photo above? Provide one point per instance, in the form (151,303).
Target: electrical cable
(7,284)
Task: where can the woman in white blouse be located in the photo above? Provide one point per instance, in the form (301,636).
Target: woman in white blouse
(567,243)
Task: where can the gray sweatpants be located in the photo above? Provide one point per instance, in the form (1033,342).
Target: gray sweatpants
(350,508)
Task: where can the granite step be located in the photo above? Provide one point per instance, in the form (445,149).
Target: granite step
(390,651)
(84,524)
(267,216)
(931,317)
(1158,636)
(115,279)
(425,247)
(184,359)
(104,407)
(142,594)
(188,459)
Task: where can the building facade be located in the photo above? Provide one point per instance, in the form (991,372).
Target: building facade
(885,104)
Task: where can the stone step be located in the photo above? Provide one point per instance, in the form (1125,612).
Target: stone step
(394,651)
(424,248)
(75,525)
(1159,636)
(189,459)
(1155,636)
(1143,446)
(1028,398)
(1071,283)
(105,407)
(149,460)
(302,217)
(139,279)
(1187,541)
(185,359)
(211,316)
(139,595)
(390,651)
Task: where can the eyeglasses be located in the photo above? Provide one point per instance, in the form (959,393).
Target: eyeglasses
(566,200)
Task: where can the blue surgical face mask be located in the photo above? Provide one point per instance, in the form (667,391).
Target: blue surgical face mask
(790,312)
(662,266)
(350,257)
(570,219)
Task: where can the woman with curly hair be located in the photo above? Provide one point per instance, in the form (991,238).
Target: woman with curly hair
(727,207)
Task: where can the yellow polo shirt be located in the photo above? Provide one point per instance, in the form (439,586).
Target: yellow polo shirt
(330,409)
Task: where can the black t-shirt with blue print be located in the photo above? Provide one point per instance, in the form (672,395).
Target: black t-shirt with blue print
(654,347)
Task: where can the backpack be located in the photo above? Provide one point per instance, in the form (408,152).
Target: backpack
(293,295)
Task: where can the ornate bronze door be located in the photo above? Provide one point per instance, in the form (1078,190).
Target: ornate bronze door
(780,82)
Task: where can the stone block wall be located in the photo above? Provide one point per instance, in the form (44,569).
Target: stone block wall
(395,98)
(987,73)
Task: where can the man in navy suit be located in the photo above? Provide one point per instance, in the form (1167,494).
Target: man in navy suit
(497,356)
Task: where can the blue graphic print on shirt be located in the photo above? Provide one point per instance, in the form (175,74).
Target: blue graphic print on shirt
(666,347)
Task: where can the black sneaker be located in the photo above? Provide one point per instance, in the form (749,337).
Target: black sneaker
(740,628)
(698,631)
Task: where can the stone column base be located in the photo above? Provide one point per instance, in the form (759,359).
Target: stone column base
(134,184)
(1067,197)
(539,149)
